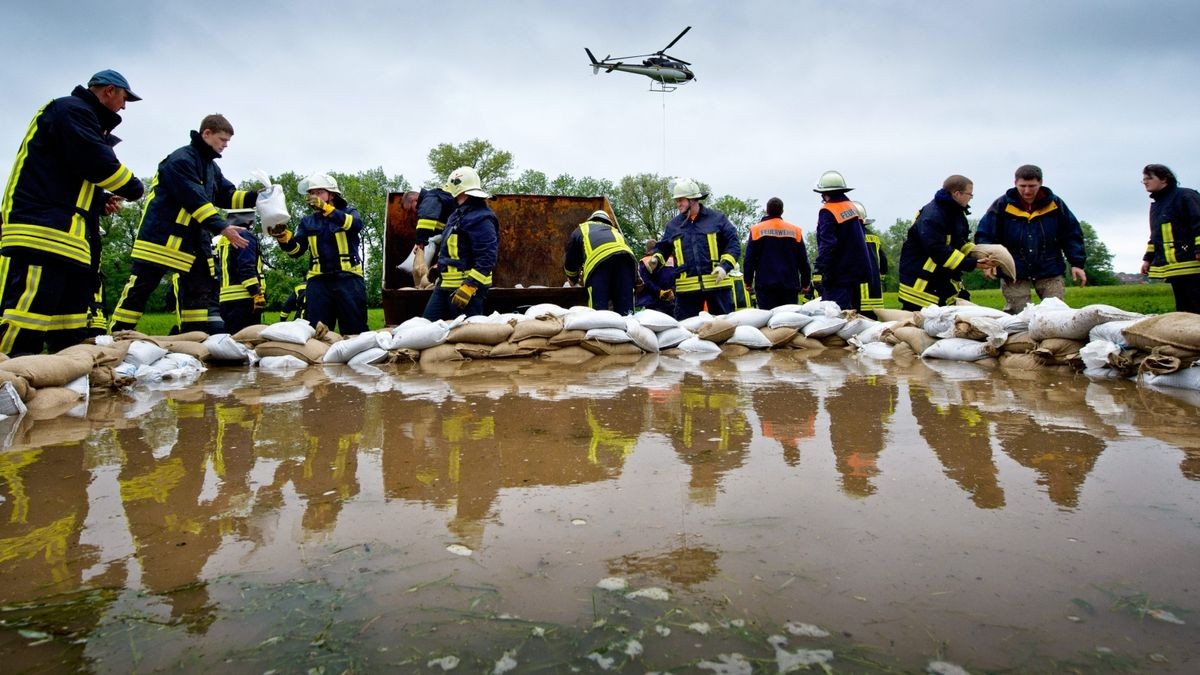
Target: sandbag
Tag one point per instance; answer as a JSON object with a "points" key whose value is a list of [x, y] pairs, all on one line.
{"points": [[573, 355], [1020, 362], [19, 384], [822, 326], [544, 310], [902, 350], [298, 331], [958, 349], [899, 315], [250, 335], [420, 336], [106, 355], [480, 333], [854, 325], [568, 338], [1019, 343], [819, 307], [1159, 364], [655, 320], [223, 347], [780, 337], [795, 320], [697, 345], [312, 351], [473, 351], [1073, 324], [749, 336], [1188, 378], [802, 341], [1176, 329], [440, 353], [672, 337], [369, 356], [345, 350], [610, 335], [716, 331], [642, 336], [1111, 331], [144, 353], [538, 344], [50, 402], [876, 350], [193, 349], [546, 328], [11, 404], [105, 377], [914, 337], [750, 316], [1058, 351], [600, 318], [695, 323], [282, 363], [508, 350], [190, 336], [610, 349], [834, 342], [49, 370], [997, 254], [730, 350], [271, 206]]}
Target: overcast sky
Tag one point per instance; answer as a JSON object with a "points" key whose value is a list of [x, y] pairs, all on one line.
{"points": [[896, 95]]}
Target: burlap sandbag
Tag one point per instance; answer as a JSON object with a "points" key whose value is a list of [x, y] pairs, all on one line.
{"points": [[619, 349], [20, 384], [997, 254], [1057, 351], [572, 354], [893, 315], [780, 337], [50, 402], [480, 333], [251, 335], [104, 377], [132, 335], [194, 349], [834, 342], [1019, 343], [901, 350], [1127, 362], [190, 336], [804, 342], [473, 351], [310, 352], [106, 356], [717, 330], [546, 328], [512, 350], [50, 370], [730, 350], [404, 356], [914, 337], [567, 338], [1020, 361], [1157, 363], [440, 353], [1175, 329], [328, 337], [541, 344]]}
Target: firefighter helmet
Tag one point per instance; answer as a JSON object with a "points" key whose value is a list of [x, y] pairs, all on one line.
{"points": [[831, 181], [465, 179]]}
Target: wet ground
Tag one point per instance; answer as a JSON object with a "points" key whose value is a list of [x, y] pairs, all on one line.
{"points": [[760, 512]]}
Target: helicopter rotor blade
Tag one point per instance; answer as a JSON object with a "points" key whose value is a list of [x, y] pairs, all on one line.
{"points": [[631, 56], [672, 42]]}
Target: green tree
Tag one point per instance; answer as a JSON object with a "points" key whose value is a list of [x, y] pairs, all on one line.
{"points": [[493, 164], [643, 205], [1099, 265], [743, 213]]}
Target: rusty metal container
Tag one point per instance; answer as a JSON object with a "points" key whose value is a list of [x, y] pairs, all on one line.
{"points": [[533, 236]]}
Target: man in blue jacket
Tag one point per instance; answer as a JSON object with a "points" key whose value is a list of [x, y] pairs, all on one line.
{"points": [[706, 249], [776, 262], [1038, 229], [848, 272], [937, 250], [467, 257], [239, 275], [65, 177]]}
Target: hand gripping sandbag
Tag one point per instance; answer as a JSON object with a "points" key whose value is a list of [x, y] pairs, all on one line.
{"points": [[271, 205]]}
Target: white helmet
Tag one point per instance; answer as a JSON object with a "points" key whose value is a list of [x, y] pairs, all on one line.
{"points": [[319, 181], [831, 181], [862, 213], [686, 188], [602, 216], [465, 179]]}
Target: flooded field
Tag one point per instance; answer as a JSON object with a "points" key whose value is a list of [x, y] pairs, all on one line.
{"points": [[752, 514]]}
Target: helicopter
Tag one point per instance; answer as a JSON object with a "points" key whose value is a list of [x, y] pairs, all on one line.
{"points": [[662, 68]]}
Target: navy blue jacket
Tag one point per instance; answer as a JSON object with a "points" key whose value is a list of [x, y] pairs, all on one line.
{"points": [[181, 213], [1037, 238], [1174, 233], [842, 255], [935, 252], [469, 250], [434, 207], [65, 156], [239, 270], [776, 256], [698, 247], [332, 241]]}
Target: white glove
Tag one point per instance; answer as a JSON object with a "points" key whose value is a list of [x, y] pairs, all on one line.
{"points": [[721, 274]]}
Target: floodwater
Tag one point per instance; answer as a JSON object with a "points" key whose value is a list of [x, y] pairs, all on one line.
{"points": [[750, 513]]}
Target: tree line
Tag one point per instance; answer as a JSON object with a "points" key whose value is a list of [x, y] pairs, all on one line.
{"points": [[641, 202]]}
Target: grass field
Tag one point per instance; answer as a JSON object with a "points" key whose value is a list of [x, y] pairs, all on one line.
{"points": [[1142, 298]]}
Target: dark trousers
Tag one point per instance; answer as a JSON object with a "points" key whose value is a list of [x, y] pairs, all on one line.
{"points": [[611, 281], [440, 307], [194, 302], [770, 298], [237, 314], [43, 305], [1187, 293], [719, 300], [337, 299], [847, 297]]}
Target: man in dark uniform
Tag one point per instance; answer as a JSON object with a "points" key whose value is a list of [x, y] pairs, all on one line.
{"points": [[598, 256], [706, 249], [470, 244], [65, 175], [239, 272], [776, 263], [936, 251], [848, 273]]}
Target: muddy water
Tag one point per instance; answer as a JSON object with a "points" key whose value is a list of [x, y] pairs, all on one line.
{"points": [[413, 520]]}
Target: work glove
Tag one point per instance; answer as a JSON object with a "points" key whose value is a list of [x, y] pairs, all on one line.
{"points": [[666, 295], [462, 296], [721, 274], [260, 302], [319, 205]]}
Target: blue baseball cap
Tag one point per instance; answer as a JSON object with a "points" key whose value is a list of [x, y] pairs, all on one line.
{"points": [[106, 77]]}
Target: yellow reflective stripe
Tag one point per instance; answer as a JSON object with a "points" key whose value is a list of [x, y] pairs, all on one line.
{"points": [[1175, 269], [1030, 215], [190, 315], [967, 248], [686, 283], [239, 199], [929, 265], [252, 281], [480, 277], [729, 259], [452, 246], [917, 296], [47, 239], [183, 217], [67, 321], [430, 225], [600, 254], [955, 258], [229, 293], [167, 256], [1168, 239], [1150, 247], [14, 175], [120, 177], [204, 212], [343, 247], [453, 277], [712, 247], [679, 260], [347, 222]]}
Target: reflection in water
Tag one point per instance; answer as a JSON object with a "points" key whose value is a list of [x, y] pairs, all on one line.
{"points": [[859, 412], [712, 433], [787, 415], [958, 435]]}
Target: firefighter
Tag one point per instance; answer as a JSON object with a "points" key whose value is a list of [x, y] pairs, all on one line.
{"points": [[706, 249], [848, 273], [873, 300], [294, 302], [239, 270], [336, 294], [179, 218], [776, 262], [65, 176], [1173, 252], [469, 249], [433, 206], [598, 257], [936, 251], [656, 288]]}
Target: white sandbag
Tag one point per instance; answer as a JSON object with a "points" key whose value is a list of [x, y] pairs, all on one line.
{"points": [[173, 366], [410, 323], [855, 326], [222, 347], [342, 352], [873, 333], [368, 356], [789, 320], [697, 346], [749, 336], [695, 323], [598, 318], [428, 252], [82, 386], [749, 317], [939, 321], [271, 206], [876, 350], [642, 336], [671, 337], [1186, 378], [1095, 353], [823, 326], [281, 363], [297, 331], [612, 336], [788, 308], [142, 353], [655, 320], [10, 402], [957, 349], [1111, 331], [418, 335], [819, 307], [1074, 324], [545, 309], [993, 333]]}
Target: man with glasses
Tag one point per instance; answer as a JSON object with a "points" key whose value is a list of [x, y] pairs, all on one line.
{"points": [[936, 251]]}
